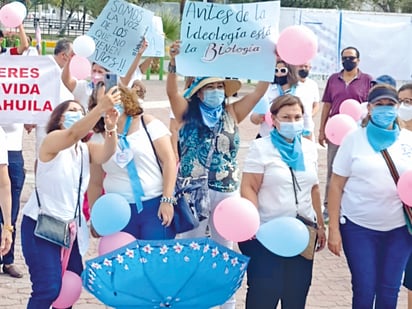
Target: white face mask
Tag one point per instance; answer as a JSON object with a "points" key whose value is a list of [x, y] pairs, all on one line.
{"points": [[405, 112]]}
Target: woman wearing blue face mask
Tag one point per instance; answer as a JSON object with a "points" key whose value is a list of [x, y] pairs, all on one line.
{"points": [[366, 214], [209, 128], [63, 160], [278, 167]]}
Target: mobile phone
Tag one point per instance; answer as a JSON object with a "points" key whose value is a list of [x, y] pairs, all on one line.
{"points": [[110, 80]]}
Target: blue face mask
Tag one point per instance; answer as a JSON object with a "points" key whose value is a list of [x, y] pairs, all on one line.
{"points": [[119, 108], [290, 130], [213, 98], [384, 116], [70, 117]]}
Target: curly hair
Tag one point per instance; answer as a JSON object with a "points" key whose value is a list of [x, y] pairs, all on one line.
{"points": [[130, 101]]}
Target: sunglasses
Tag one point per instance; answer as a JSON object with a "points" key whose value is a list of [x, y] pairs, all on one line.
{"points": [[351, 58], [281, 70]]}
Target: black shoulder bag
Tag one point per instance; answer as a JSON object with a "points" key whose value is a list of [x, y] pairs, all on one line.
{"points": [[54, 229]]}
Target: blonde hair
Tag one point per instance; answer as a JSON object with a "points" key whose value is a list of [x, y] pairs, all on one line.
{"points": [[130, 101]]}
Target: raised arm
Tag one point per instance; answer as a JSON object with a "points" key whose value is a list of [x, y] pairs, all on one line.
{"points": [[178, 103], [242, 107], [58, 140], [67, 78], [24, 44], [133, 67]]}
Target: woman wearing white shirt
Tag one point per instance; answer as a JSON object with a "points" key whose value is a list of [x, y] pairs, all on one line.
{"points": [[274, 166], [62, 160], [365, 211]]}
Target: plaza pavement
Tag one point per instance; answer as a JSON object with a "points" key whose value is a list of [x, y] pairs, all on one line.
{"points": [[330, 287]]}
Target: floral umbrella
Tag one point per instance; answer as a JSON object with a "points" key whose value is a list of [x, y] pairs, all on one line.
{"points": [[175, 273]]}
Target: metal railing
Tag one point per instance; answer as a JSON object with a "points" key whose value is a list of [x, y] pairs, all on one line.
{"points": [[53, 27]]}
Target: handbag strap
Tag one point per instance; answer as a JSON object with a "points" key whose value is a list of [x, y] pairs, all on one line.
{"points": [[151, 143], [209, 155], [395, 176], [77, 210]]}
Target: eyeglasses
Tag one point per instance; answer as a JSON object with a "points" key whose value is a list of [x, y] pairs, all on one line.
{"points": [[407, 101], [281, 70], [351, 58]]}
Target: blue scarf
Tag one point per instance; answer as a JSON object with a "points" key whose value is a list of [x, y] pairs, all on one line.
{"points": [[210, 116], [380, 138], [291, 153]]}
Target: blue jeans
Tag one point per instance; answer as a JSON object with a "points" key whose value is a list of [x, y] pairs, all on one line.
{"points": [[17, 176], [271, 278], [376, 261], [43, 260], [147, 225]]}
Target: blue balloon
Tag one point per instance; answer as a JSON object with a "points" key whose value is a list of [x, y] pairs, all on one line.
{"points": [[284, 236], [110, 214]]}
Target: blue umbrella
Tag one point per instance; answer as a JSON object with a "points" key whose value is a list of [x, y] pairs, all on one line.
{"points": [[174, 273]]}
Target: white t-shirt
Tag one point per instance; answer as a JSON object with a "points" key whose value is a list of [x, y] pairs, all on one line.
{"points": [[370, 197], [276, 195], [308, 92], [3, 150], [117, 179], [82, 92], [14, 136], [136, 75], [57, 183], [31, 51]]}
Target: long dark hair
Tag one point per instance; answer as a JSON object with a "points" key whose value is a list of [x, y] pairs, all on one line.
{"points": [[99, 126], [56, 115]]}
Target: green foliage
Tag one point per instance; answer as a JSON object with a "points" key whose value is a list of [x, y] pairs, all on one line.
{"points": [[171, 26]]}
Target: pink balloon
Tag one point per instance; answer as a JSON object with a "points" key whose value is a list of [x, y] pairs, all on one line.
{"points": [[297, 45], [338, 126], [352, 108], [405, 187], [114, 241], [12, 14], [80, 67], [268, 119], [70, 290], [236, 219]]}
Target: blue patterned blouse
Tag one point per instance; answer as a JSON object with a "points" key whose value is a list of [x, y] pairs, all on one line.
{"points": [[195, 141]]}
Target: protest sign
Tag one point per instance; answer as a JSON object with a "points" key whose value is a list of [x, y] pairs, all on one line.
{"points": [[29, 89], [155, 39], [236, 40], [118, 32]]}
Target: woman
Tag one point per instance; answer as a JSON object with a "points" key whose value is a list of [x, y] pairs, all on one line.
{"points": [[366, 215], [285, 82], [200, 112], [5, 198], [150, 190], [405, 114], [277, 167], [62, 159]]}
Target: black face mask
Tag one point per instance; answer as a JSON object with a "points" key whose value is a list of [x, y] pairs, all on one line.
{"points": [[303, 73], [348, 65], [280, 80]]}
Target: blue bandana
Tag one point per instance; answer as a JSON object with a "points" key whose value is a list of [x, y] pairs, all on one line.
{"points": [[380, 138], [210, 115], [291, 153]]}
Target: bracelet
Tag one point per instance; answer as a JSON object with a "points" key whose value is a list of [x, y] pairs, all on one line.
{"points": [[171, 68], [168, 200], [9, 228], [114, 129]]}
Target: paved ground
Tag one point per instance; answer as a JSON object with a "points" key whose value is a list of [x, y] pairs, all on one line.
{"points": [[331, 280]]}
